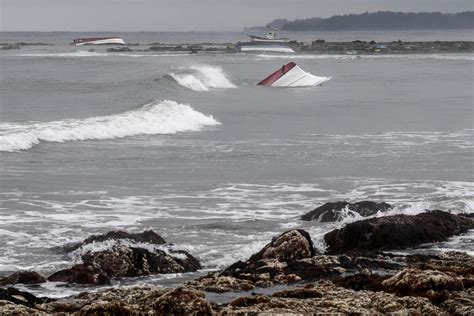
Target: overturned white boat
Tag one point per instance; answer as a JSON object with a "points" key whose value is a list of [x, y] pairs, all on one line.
{"points": [[290, 75], [99, 41]]}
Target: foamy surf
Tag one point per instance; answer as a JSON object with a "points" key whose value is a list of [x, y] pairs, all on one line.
{"points": [[202, 78], [157, 117]]}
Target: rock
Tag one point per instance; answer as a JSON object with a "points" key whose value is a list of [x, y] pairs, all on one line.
{"points": [[119, 49], [288, 258], [336, 211], [326, 298], [291, 245], [122, 260], [23, 298], [10, 46], [396, 232], [81, 274], [24, 277], [432, 284], [183, 301], [107, 308], [147, 236], [460, 303], [124, 256], [358, 282], [126, 261]]}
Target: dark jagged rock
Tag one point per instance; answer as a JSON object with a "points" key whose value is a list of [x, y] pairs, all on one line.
{"points": [[123, 260], [325, 298], [396, 232], [359, 282], [183, 301], [291, 245], [432, 284], [301, 293], [23, 277], [21, 297], [10, 46], [125, 257], [147, 236], [119, 49], [81, 274], [288, 258], [331, 212]]}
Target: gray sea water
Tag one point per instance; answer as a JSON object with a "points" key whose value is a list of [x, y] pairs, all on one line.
{"points": [[189, 146]]}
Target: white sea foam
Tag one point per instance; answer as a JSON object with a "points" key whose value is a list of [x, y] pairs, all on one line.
{"points": [[202, 78], [158, 117], [95, 247]]}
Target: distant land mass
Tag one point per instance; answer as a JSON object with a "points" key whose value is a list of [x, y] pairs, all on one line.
{"points": [[381, 20]]}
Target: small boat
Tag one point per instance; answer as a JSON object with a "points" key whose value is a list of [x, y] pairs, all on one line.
{"points": [[291, 75], [271, 43], [99, 41]]}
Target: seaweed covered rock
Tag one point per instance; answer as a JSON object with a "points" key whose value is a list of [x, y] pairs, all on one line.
{"points": [[291, 245], [23, 277], [183, 301], [288, 258], [148, 236], [81, 274], [432, 284], [21, 298], [396, 232], [120, 254], [336, 211], [326, 298]]}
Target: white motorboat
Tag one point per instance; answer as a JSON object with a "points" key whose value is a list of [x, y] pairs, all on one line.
{"points": [[271, 43], [99, 41]]}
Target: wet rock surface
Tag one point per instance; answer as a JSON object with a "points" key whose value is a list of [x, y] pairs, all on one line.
{"points": [[336, 211], [288, 258], [356, 282], [119, 49], [127, 255], [23, 277], [396, 232], [147, 236]]}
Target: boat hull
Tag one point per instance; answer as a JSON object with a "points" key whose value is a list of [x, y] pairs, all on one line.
{"points": [[290, 75], [99, 41]]}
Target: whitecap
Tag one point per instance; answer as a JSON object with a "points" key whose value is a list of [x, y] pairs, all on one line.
{"points": [[202, 78], [158, 117]]}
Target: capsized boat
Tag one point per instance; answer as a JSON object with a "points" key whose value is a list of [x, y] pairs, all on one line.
{"points": [[99, 41], [291, 75]]}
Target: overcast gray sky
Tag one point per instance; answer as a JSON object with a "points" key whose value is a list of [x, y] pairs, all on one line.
{"points": [[190, 15]]}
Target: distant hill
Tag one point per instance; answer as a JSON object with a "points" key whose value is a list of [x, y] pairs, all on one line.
{"points": [[382, 20]]}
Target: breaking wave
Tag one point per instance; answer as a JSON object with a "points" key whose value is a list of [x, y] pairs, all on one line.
{"points": [[157, 117], [202, 78]]}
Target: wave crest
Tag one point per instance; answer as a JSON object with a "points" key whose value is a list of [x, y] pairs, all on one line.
{"points": [[157, 117], [202, 78]]}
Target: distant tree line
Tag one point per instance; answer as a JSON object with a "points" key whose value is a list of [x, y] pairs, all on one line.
{"points": [[382, 20]]}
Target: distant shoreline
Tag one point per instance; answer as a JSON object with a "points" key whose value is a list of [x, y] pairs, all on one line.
{"points": [[381, 20]]}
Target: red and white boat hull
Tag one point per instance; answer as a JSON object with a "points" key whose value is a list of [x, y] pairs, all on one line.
{"points": [[290, 75]]}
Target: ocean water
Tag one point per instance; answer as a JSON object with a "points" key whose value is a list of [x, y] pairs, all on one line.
{"points": [[189, 146]]}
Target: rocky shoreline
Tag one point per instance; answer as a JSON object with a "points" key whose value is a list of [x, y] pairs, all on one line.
{"points": [[357, 274], [356, 47]]}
